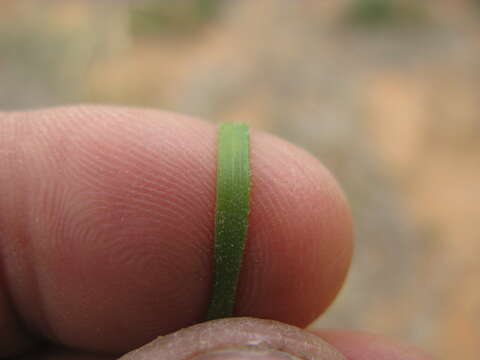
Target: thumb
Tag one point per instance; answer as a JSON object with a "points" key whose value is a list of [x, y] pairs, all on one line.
{"points": [[256, 339], [237, 339]]}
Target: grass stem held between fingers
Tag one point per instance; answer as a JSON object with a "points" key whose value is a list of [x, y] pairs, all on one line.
{"points": [[231, 215]]}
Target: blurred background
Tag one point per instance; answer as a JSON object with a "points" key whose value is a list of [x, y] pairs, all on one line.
{"points": [[385, 92]]}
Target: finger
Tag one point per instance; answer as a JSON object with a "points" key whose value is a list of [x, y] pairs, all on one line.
{"points": [[360, 346], [107, 216], [237, 339]]}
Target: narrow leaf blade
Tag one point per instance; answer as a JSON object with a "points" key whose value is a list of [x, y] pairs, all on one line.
{"points": [[231, 217]]}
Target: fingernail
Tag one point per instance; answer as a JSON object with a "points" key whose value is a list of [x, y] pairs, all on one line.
{"points": [[245, 354]]}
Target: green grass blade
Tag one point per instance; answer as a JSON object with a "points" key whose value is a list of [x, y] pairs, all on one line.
{"points": [[231, 217]]}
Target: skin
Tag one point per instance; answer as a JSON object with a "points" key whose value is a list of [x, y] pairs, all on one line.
{"points": [[106, 235]]}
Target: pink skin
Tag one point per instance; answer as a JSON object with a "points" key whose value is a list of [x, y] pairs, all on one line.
{"points": [[247, 336], [106, 223]]}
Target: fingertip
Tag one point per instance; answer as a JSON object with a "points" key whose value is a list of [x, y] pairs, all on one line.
{"points": [[300, 236], [237, 338], [108, 226]]}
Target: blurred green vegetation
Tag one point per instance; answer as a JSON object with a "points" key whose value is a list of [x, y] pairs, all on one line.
{"points": [[382, 13], [166, 17]]}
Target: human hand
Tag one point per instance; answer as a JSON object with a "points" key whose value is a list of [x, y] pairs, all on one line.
{"points": [[106, 234]]}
